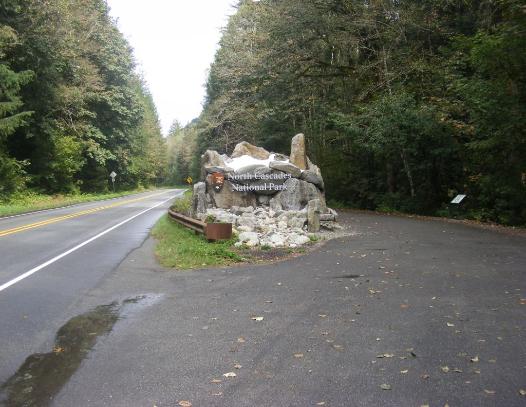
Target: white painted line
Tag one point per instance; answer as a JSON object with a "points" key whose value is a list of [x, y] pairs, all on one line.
{"points": [[55, 259]]}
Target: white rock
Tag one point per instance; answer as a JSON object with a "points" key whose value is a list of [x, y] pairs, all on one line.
{"points": [[298, 239], [245, 229], [249, 238], [277, 240], [297, 222]]}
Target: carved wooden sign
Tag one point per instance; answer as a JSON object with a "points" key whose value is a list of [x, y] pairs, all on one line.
{"points": [[218, 180]]}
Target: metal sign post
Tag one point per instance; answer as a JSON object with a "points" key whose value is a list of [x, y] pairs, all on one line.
{"points": [[112, 176]]}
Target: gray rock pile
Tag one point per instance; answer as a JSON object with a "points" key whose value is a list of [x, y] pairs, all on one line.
{"points": [[262, 226], [270, 199]]}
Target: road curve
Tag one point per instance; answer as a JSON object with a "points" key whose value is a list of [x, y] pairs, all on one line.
{"points": [[50, 259]]}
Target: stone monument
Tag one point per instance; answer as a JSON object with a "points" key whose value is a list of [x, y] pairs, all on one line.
{"points": [[270, 199]]}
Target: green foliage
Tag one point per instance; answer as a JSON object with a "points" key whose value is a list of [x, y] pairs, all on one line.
{"points": [[181, 248], [85, 111], [403, 102], [184, 204]]}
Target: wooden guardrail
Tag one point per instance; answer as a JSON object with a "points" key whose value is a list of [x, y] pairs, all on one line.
{"points": [[212, 231]]}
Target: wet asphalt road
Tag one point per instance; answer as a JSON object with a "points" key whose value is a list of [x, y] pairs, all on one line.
{"points": [[434, 312], [33, 309]]}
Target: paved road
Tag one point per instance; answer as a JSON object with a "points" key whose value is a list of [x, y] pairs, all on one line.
{"points": [[34, 307], [433, 311]]}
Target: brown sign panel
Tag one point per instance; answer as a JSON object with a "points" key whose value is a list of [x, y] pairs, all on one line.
{"points": [[218, 180]]}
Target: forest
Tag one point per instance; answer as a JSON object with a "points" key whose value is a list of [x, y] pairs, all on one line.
{"points": [[72, 107], [405, 103]]}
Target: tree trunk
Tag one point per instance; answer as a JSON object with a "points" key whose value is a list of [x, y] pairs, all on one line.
{"points": [[408, 172], [390, 178]]}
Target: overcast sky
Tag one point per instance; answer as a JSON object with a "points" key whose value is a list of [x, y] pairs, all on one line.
{"points": [[174, 44]]}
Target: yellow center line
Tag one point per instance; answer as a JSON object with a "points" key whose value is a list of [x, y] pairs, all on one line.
{"points": [[73, 215]]}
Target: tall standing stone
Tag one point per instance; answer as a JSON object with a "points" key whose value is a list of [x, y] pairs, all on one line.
{"points": [[199, 199], [313, 215], [298, 153]]}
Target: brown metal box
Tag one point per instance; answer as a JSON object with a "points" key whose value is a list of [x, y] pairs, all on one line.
{"points": [[218, 231]]}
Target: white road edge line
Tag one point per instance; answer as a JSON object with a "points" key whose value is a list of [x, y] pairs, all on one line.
{"points": [[54, 259]]}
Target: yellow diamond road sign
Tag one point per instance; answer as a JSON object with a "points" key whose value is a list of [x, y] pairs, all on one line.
{"points": [[189, 180]]}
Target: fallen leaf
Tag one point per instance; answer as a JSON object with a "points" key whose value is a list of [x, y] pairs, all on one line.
{"points": [[58, 349], [321, 403], [298, 355], [230, 374], [185, 403], [217, 394], [492, 361], [445, 369], [241, 340], [238, 366], [522, 392], [338, 347], [385, 355], [322, 315], [450, 324], [215, 381], [457, 370], [404, 306], [257, 319], [425, 376], [475, 359], [489, 391], [404, 371], [522, 301], [424, 405], [385, 386]]}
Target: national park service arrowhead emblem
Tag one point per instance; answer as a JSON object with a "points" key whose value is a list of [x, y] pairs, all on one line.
{"points": [[218, 180]]}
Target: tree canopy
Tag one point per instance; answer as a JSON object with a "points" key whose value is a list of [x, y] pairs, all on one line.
{"points": [[405, 103], [72, 107]]}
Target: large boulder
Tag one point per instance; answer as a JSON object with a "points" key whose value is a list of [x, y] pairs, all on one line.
{"points": [[226, 198], [211, 159], [261, 179], [313, 167], [213, 168], [245, 148], [298, 154], [313, 178], [296, 197], [286, 167]]}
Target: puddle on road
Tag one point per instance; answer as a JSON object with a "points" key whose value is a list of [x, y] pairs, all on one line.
{"points": [[42, 375]]}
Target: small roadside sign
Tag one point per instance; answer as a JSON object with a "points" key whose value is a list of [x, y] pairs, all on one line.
{"points": [[113, 174], [459, 198], [189, 180]]}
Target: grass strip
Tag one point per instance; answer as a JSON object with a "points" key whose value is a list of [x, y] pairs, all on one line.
{"points": [[179, 247], [31, 202]]}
